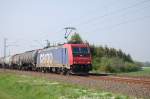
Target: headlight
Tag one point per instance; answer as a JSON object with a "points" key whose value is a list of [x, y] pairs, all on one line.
{"points": [[88, 62]]}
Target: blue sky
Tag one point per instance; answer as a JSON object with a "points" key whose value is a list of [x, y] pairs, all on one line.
{"points": [[122, 24]]}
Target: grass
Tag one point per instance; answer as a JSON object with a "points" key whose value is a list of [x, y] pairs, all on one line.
{"points": [[145, 72], [14, 86]]}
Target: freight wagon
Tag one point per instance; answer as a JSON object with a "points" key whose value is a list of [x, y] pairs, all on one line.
{"points": [[1, 62]]}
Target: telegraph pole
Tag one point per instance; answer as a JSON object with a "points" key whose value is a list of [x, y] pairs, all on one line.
{"points": [[5, 42], [6, 45]]}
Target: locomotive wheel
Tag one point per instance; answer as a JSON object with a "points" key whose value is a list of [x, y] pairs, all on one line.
{"points": [[65, 71], [58, 70], [62, 71], [53, 69], [68, 72], [43, 70]]}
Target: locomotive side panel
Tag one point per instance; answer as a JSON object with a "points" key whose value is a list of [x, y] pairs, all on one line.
{"points": [[53, 57]]}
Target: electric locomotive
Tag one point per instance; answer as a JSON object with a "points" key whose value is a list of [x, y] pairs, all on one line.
{"points": [[73, 58]]}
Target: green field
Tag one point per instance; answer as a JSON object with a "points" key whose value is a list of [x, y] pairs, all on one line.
{"points": [[26, 87], [144, 72]]}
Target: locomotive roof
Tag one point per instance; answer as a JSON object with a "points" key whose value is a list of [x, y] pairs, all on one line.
{"points": [[52, 47]]}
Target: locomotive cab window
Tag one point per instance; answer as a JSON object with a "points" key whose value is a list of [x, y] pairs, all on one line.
{"points": [[80, 51]]}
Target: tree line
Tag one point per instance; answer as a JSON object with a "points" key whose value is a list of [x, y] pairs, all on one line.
{"points": [[100, 51]]}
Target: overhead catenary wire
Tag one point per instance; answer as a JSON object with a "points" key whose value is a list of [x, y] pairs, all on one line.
{"points": [[121, 23], [121, 16], [111, 13]]}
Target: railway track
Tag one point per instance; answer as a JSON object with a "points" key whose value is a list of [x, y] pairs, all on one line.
{"points": [[128, 80], [104, 77]]}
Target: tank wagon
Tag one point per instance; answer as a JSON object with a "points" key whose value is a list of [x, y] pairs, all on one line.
{"points": [[7, 61], [28, 60], [15, 61], [1, 62], [66, 58]]}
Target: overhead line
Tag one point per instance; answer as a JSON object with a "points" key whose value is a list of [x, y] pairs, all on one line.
{"points": [[114, 12], [124, 22], [125, 14]]}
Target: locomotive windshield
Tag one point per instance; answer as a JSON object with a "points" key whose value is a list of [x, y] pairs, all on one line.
{"points": [[80, 51]]}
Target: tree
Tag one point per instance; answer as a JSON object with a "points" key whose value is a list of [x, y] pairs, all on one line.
{"points": [[75, 39]]}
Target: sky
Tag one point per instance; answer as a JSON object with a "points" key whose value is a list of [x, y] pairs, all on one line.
{"points": [[121, 24]]}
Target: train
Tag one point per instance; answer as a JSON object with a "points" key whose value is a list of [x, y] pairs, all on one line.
{"points": [[63, 59]]}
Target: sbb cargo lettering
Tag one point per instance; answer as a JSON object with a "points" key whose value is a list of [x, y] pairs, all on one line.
{"points": [[46, 58]]}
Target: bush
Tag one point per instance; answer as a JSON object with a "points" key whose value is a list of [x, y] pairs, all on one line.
{"points": [[96, 63], [114, 65], [129, 67]]}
